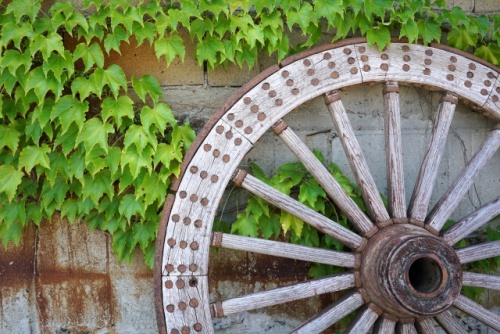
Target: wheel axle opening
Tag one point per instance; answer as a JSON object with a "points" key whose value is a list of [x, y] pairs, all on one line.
{"points": [[425, 275]]}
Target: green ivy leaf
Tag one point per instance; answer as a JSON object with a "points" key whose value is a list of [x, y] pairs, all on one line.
{"points": [[90, 54], [16, 33], [113, 77], [69, 209], [302, 16], [312, 195], [378, 7], [245, 225], [328, 9], [147, 84], [381, 36], [59, 64], [490, 53], [10, 179], [98, 186], [32, 156], [42, 84], [10, 232], [429, 30], [47, 45], [123, 245], [144, 233], [456, 16], [129, 207], [94, 132], [24, 7], [69, 110], [113, 41], [290, 222], [68, 139], [117, 109], [147, 32], [9, 137], [270, 227], [52, 196], [138, 136], [207, 50], [136, 160], [160, 116], [182, 134], [462, 37], [166, 154], [152, 189], [84, 87], [13, 59], [409, 30]]}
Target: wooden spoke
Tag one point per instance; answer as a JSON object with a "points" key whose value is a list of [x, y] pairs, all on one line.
{"points": [[450, 200], [472, 222], [477, 311], [355, 157], [481, 280], [450, 324], [384, 325], [297, 209], [325, 179], [284, 294], [393, 152], [428, 170], [283, 249], [364, 320], [405, 328], [425, 326], [479, 252], [329, 316]]}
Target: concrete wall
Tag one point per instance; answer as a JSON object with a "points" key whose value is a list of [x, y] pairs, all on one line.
{"points": [[63, 278]]}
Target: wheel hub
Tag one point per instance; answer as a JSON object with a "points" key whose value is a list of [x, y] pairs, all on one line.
{"points": [[408, 272]]}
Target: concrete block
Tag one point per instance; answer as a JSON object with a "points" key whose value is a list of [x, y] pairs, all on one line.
{"points": [[137, 61], [466, 5], [233, 75], [486, 6], [65, 247], [17, 306], [74, 302]]}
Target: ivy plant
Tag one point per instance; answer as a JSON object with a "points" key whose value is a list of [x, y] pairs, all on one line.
{"points": [[261, 219], [73, 141]]}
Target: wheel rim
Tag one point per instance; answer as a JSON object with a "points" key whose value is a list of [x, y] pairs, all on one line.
{"points": [[184, 237]]}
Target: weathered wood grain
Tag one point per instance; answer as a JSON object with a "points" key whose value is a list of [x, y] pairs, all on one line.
{"points": [[405, 328], [425, 326], [363, 321], [450, 324], [186, 304], [287, 293], [479, 252], [384, 325], [477, 311], [326, 180], [428, 170], [332, 314], [481, 280], [450, 200], [393, 151], [472, 222], [287, 250], [301, 211], [355, 157]]}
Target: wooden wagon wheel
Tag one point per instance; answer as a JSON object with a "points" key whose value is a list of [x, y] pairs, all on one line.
{"points": [[387, 245]]}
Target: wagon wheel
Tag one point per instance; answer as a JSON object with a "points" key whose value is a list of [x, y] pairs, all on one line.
{"points": [[401, 270]]}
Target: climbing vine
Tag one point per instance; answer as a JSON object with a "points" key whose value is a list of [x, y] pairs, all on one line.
{"points": [[73, 141]]}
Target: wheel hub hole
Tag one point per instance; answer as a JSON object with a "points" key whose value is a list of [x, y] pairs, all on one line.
{"points": [[425, 275]]}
